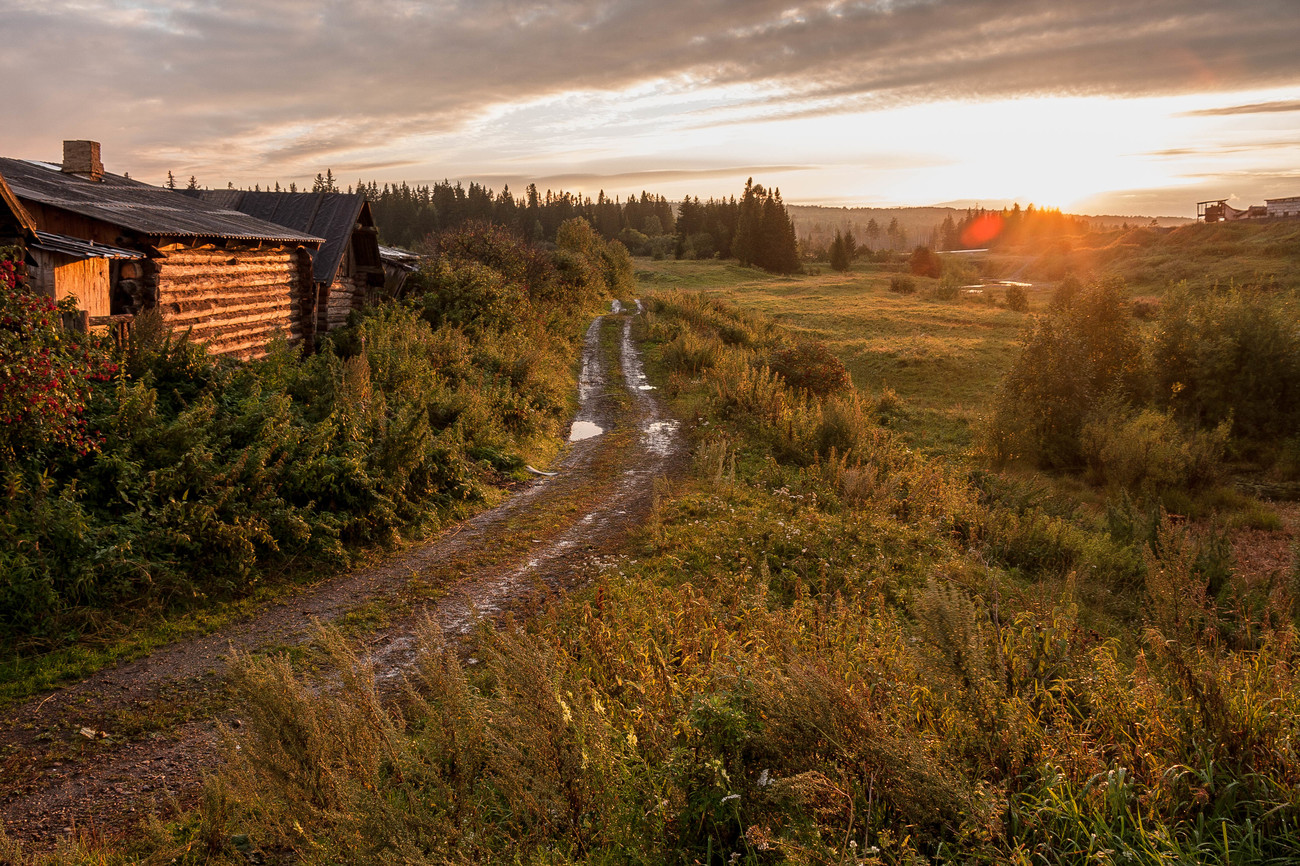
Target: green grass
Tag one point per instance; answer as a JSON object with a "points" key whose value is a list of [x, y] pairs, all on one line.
{"points": [[943, 360]]}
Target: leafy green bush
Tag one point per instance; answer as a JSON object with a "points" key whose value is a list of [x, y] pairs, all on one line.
{"points": [[1229, 354], [1072, 358], [1147, 451], [1017, 299]]}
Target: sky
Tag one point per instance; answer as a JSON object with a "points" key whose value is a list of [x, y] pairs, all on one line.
{"points": [[1134, 107]]}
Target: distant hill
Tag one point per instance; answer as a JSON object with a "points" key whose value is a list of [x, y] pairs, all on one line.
{"points": [[816, 225], [1263, 254]]}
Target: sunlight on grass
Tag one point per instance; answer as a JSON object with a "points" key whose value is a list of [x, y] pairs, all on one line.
{"points": [[943, 360]]}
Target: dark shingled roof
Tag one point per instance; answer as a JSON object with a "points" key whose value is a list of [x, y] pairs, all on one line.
{"points": [[149, 210], [331, 215]]}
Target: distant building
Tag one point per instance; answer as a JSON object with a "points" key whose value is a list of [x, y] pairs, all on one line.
{"points": [[1283, 207], [1273, 208], [121, 247]]}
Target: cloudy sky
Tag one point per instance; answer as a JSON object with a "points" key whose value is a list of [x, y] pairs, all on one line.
{"points": [[1136, 107]]}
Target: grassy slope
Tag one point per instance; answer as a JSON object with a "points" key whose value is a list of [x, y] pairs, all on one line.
{"points": [[943, 360], [1151, 260]]}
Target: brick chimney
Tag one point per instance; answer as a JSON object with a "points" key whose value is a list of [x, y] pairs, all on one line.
{"points": [[82, 159]]}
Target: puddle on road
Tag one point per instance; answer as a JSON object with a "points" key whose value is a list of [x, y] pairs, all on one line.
{"points": [[584, 430], [659, 437]]}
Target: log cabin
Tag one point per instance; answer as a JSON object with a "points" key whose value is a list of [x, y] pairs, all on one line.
{"points": [[347, 269], [121, 247]]}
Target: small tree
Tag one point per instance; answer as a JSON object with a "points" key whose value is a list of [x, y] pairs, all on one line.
{"points": [[1017, 299], [843, 250], [925, 263], [838, 257]]}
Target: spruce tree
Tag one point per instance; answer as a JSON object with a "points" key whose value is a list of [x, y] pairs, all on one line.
{"points": [[745, 244], [837, 258]]}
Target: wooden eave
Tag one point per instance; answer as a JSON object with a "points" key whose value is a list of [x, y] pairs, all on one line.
{"points": [[16, 207]]}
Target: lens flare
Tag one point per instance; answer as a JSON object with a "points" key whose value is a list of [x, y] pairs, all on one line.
{"points": [[982, 230]]}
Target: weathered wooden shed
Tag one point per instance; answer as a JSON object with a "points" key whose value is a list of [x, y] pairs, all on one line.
{"points": [[347, 268], [233, 281]]}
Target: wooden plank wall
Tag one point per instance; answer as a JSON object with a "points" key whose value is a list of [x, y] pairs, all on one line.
{"points": [[88, 281], [237, 301], [58, 276]]}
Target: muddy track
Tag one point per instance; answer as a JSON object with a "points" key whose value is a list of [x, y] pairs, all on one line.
{"points": [[93, 758]]}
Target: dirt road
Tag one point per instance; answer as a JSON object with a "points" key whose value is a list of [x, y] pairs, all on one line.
{"points": [[95, 757]]}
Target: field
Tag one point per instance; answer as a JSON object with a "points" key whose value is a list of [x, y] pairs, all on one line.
{"points": [[943, 361]]}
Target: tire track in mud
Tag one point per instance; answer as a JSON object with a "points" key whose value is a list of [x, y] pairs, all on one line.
{"points": [[56, 781]]}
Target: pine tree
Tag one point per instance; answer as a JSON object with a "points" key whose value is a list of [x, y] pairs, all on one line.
{"points": [[837, 258], [171, 180], [193, 184], [745, 243], [949, 237], [873, 230], [843, 250]]}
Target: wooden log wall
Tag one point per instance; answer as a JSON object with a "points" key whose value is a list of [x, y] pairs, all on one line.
{"points": [[345, 296], [346, 293], [236, 301]]}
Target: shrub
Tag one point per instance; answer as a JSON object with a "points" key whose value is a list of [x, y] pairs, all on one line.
{"points": [[810, 366], [1147, 451], [947, 290], [46, 372], [1071, 360], [1017, 299], [925, 263], [902, 285], [470, 295], [1231, 354]]}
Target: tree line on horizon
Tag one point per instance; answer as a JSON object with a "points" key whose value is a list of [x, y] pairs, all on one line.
{"points": [[757, 229]]}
